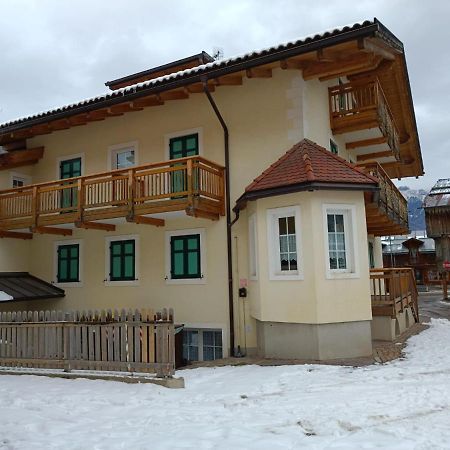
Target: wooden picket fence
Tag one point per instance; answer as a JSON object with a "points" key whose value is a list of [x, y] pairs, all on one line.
{"points": [[132, 341]]}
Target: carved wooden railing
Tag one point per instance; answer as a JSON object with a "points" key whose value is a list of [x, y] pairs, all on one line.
{"points": [[350, 100], [150, 187], [394, 289], [390, 199]]}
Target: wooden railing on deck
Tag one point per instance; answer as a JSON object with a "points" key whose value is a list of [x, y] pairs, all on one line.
{"points": [[390, 198], [392, 290], [145, 189], [349, 101]]}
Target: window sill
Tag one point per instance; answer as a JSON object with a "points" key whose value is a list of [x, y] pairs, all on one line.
{"points": [[286, 277], [72, 284], [121, 283], [330, 275], [186, 281]]}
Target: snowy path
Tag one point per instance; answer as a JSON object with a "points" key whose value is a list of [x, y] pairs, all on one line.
{"points": [[402, 405]]}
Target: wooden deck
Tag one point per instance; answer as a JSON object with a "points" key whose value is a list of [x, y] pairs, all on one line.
{"points": [[386, 210], [393, 290], [193, 185]]}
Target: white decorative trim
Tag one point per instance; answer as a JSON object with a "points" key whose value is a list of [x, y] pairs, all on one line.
{"points": [[350, 231], [169, 136], [202, 233], [56, 244], [67, 157], [108, 240], [20, 176], [253, 247], [114, 149], [275, 272]]}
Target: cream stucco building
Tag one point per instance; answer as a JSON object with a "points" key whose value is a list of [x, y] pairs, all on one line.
{"points": [[280, 270]]}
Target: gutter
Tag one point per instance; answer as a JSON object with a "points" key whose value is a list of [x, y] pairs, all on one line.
{"points": [[228, 211]]}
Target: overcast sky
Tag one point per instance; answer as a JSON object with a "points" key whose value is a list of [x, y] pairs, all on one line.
{"points": [[60, 51]]}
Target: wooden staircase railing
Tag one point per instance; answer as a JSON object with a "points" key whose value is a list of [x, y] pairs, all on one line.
{"points": [[392, 290]]}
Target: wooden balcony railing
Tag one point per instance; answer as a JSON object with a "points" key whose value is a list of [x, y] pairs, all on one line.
{"points": [[393, 289], [193, 184], [388, 202], [355, 106]]}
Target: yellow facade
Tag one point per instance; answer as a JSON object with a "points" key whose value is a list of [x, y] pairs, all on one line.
{"points": [[265, 117]]}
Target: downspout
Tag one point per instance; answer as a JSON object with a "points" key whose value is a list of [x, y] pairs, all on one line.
{"points": [[228, 213]]}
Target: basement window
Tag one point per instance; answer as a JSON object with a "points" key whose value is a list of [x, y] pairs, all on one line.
{"points": [[202, 345]]}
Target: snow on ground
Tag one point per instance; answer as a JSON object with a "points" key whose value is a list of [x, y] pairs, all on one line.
{"points": [[401, 405]]}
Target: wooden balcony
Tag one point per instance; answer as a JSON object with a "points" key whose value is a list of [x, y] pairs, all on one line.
{"points": [[393, 290], [387, 209], [360, 112], [193, 185]]}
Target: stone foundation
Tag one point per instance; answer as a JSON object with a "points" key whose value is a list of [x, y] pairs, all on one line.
{"points": [[387, 328], [314, 341]]}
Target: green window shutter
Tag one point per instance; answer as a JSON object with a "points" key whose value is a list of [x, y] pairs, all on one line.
{"points": [[183, 146], [185, 256], [122, 260], [68, 263]]}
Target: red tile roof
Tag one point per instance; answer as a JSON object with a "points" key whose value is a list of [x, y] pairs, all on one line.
{"points": [[307, 163]]}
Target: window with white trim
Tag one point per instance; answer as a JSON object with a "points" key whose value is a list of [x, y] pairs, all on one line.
{"points": [[284, 243], [122, 260], [18, 180], [340, 240], [68, 263], [202, 345], [185, 256], [252, 248], [123, 156]]}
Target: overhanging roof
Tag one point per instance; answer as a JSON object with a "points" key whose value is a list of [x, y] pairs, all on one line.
{"points": [[213, 69], [23, 286]]}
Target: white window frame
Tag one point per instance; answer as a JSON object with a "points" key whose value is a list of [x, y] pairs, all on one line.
{"points": [[169, 136], [67, 157], [108, 240], [275, 272], [351, 247], [207, 327], [20, 176], [202, 233], [252, 247], [56, 244], [113, 150]]}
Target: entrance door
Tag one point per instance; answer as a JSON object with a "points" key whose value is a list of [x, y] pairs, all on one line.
{"points": [[69, 168], [182, 147]]}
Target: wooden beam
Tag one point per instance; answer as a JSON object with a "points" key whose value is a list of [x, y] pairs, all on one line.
{"points": [[259, 72], [229, 80], [146, 220], [375, 155], [197, 88], [366, 142], [340, 67], [174, 95], [152, 100], [95, 226], [370, 46], [196, 212], [19, 158], [287, 64], [15, 235], [52, 230], [16, 145]]}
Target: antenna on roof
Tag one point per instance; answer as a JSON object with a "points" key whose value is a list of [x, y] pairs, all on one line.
{"points": [[217, 53]]}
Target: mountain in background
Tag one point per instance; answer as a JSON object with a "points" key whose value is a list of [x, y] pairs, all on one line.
{"points": [[416, 213]]}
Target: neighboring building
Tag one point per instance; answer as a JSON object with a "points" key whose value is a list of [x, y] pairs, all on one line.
{"points": [[416, 251], [437, 218], [246, 193]]}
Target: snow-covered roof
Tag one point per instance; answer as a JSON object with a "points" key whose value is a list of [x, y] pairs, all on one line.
{"points": [[215, 68]]}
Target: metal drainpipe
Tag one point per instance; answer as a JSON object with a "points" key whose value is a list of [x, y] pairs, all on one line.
{"points": [[228, 213]]}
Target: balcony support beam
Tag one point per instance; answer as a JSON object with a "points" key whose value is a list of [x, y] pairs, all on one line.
{"points": [[146, 220], [15, 235], [375, 155], [52, 230], [95, 226]]}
